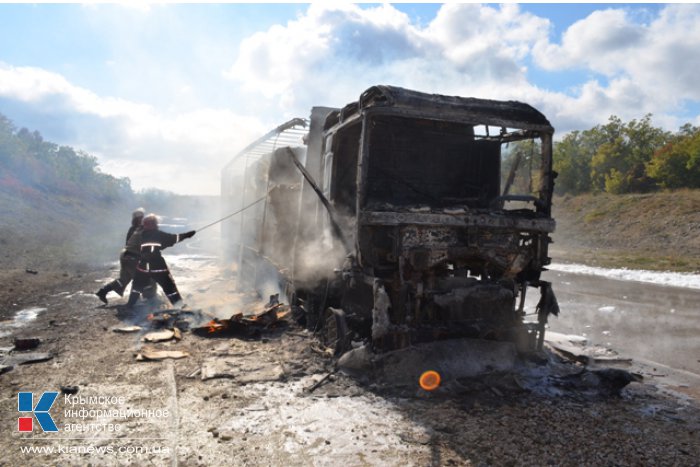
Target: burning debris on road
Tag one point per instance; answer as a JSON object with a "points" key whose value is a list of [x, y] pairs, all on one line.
{"points": [[249, 323]]}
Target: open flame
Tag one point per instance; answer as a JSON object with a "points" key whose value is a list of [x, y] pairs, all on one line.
{"points": [[215, 326], [245, 324]]}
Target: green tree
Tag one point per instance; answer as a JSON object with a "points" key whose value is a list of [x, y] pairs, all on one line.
{"points": [[572, 161], [619, 164], [688, 130], [525, 175], [8, 145], [677, 164], [27, 162]]}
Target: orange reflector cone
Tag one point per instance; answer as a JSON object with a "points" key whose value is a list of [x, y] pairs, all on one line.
{"points": [[430, 380]]}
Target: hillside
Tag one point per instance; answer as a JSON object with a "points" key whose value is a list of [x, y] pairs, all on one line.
{"points": [[46, 231], [643, 231]]}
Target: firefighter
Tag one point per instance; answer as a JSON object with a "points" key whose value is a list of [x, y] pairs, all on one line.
{"points": [[152, 265], [128, 259]]}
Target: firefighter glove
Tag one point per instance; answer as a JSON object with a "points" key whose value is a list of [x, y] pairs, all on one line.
{"points": [[188, 234]]}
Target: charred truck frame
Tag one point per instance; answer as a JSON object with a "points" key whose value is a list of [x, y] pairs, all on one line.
{"points": [[401, 218]]}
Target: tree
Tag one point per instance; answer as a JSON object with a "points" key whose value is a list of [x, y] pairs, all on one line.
{"points": [[677, 164], [572, 161], [525, 176], [29, 163], [8, 152], [688, 130], [619, 164]]}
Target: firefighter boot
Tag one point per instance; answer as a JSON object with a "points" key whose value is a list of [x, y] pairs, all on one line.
{"points": [[150, 291], [115, 286], [133, 298], [102, 294]]}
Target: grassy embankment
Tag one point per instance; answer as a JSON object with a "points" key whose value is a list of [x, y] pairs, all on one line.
{"points": [[47, 231], [657, 231]]}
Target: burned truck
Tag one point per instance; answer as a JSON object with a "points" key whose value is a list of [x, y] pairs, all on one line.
{"points": [[401, 218]]}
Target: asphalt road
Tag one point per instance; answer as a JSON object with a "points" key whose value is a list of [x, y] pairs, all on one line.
{"points": [[646, 322]]}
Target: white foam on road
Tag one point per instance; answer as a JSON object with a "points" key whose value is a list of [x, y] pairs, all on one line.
{"points": [[21, 318], [674, 279]]}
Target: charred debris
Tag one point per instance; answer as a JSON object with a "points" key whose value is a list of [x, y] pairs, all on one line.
{"points": [[401, 219]]}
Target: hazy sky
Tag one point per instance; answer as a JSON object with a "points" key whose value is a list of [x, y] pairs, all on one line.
{"points": [[166, 94]]}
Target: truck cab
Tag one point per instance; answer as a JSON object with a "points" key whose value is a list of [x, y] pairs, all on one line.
{"points": [[447, 205]]}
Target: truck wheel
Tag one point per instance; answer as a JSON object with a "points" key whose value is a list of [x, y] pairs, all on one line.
{"points": [[335, 333]]}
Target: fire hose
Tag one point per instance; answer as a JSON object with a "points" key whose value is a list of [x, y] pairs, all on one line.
{"points": [[324, 201], [232, 214]]}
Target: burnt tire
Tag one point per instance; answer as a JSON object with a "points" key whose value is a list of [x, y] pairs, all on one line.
{"points": [[335, 334]]}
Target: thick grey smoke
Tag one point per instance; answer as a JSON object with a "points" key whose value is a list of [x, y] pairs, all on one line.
{"points": [[283, 233]]}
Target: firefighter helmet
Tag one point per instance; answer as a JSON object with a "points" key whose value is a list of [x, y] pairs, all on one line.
{"points": [[150, 222], [139, 212]]}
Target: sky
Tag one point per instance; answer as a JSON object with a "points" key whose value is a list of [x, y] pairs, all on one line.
{"points": [[166, 94]]}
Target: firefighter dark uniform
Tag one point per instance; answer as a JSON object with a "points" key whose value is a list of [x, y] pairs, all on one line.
{"points": [[152, 265], [128, 259]]}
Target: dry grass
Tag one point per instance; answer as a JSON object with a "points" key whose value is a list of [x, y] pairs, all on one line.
{"points": [[50, 231], [647, 231]]}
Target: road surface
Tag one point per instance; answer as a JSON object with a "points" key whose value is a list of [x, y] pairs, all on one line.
{"points": [[247, 400], [645, 321]]}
